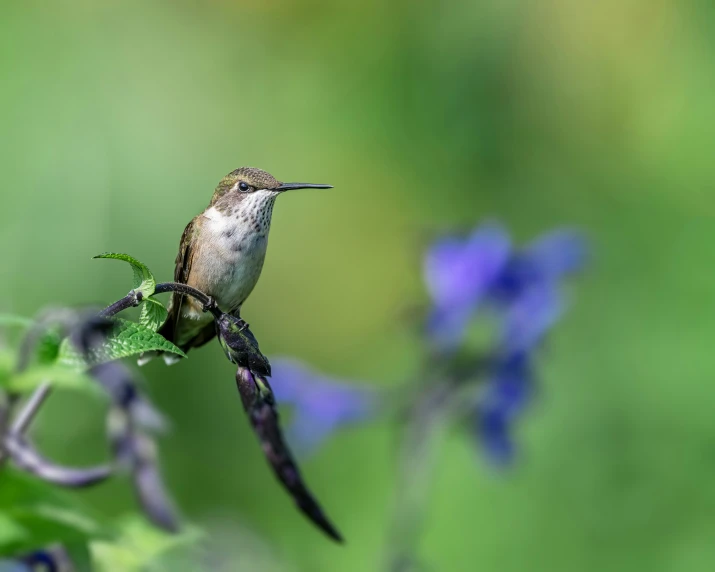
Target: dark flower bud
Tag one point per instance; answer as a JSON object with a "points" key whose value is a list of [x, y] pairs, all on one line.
{"points": [[246, 385], [240, 345]]}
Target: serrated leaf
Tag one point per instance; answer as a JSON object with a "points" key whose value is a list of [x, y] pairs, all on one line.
{"points": [[153, 314], [126, 339], [144, 281]]}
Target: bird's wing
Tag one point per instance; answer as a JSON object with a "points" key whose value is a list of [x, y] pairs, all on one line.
{"points": [[183, 259], [181, 275]]}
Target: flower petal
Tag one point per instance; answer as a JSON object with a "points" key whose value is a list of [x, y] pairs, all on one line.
{"points": [[508, 391], [458, 272], [320, 404], [495, 437], [558, 252], [529, 317]]}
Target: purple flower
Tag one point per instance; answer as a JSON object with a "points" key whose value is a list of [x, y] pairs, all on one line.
{"points": [[320, 405], [526, 293], [559, 252], [508, 390], [522, 284], [526, 320], [459, 272]]}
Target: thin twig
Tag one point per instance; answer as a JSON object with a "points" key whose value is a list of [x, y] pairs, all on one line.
{"points": [[424, 432], [25, 417], [426, 428], [134, 298], [209, 304], [131, 300], [28, 459]]}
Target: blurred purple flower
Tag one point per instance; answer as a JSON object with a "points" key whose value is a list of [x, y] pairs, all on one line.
{"points": [[320, 405], [458, 273], [52, 559], [528, 303], [526, 293], [520, 286], [508, 390], [462, 273]]}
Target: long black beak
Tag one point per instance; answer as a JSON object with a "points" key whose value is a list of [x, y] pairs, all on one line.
{"points": [[293, 186]]}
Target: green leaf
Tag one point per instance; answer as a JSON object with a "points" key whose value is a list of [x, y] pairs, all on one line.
{"points": [[144, 281], [11, 532], [61, 376], [7, 366], [80, 556], [46, 514], [140, 547], [153, 314], [48, 346], [13, 321], [127, 339]]}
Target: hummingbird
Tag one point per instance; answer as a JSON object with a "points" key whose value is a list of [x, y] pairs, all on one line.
{"points": [[222, 251]]}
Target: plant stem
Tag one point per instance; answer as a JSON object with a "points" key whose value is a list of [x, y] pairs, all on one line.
{"points": [[25, 417], [423, 435], [134, 298], [208, 302], [131, 300], [426, 426]]}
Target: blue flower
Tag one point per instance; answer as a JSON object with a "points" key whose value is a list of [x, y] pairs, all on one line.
{"points": [[521, 287], [526, 296], [522, 284], [459, 272], [527, 292], [320, 405], [509, 388]]}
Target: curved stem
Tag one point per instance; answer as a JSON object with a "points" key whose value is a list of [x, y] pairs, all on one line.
{"points": [[131, 300], [207, 301], [31, 408], [28, 459], [134, 298]]}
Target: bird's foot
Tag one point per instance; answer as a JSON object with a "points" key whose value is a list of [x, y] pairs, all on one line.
{"points": [[210, 305]]}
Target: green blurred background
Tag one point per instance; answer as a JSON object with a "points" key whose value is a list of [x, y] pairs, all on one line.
{"points": [[117, 119]]}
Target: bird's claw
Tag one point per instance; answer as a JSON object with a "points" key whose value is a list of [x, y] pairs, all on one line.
{"points": [[210, 304]]}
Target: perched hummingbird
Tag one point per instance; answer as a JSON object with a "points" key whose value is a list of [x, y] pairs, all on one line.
{"points": [[222, 252]]}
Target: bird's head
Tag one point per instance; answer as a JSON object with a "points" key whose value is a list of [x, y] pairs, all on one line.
{"points": [[256, 183]]}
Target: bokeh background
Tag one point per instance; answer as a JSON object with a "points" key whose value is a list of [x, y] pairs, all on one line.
{"points": [[118, 119]]}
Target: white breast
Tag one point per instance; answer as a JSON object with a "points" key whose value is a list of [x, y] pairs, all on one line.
{"points": [[238, 240]]}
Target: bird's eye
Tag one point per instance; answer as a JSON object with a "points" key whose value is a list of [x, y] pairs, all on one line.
{"points": [[243, 186]]}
